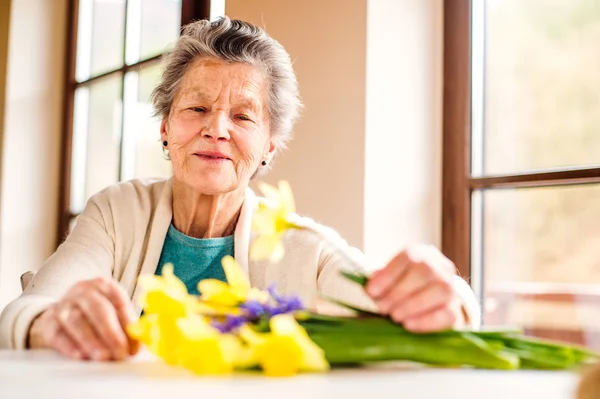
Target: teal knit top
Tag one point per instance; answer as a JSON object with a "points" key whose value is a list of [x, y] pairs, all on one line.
{"points": [[194, 259]]}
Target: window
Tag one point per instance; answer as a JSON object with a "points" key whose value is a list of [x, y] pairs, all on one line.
{"points": [[114, 63], [521, 178]]}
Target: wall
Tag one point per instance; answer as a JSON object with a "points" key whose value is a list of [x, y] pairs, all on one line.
{"points": [[32, 131], [366, 158], [325, 161], [404, 125]]}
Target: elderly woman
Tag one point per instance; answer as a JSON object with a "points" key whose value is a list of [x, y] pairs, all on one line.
{"points": [[228, 100]]}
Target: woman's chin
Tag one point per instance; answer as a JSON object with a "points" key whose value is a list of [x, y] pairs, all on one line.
{"points": [[213, 184]]}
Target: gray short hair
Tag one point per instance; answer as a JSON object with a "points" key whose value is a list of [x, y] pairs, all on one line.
{"points": [[234, 41]]}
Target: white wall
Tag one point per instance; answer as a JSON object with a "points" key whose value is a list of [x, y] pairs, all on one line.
{"points": [[404, 125], [32, 131]]}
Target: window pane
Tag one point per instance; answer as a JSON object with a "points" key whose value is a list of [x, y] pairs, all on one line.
{"points": [[217, 9], [100, 37], [142, 150], [151, 26], [541, 259], [161, 20], [96, 139], [542, 85]]}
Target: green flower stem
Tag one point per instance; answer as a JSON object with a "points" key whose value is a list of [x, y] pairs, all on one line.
{"points": [[532, 359], [373, 339], [450, 350], [360, 279]]}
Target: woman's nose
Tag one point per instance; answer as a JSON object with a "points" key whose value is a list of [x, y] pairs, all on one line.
{"points": [[217, 127]]}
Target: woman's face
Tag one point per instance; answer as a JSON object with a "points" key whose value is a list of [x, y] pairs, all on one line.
{"points": [[218, 128]]}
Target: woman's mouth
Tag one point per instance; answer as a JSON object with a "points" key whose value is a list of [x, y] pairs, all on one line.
{"points": [[212, 156]]}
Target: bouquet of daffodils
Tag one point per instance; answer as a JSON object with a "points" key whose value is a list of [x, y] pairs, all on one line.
{"points": [[232, 326]]}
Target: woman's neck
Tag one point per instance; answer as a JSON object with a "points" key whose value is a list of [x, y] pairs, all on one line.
{"points": [[205, 216]]}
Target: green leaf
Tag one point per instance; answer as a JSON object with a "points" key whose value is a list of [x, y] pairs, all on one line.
{"points": [[374, 338], [360, 279], [460, 349], [348, 306], [539, 360]]}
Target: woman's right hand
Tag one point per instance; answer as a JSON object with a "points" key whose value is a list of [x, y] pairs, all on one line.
{"points": [[87, 323]]}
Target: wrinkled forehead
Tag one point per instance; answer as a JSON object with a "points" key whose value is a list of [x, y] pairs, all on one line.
{"points": [[212, 80]]}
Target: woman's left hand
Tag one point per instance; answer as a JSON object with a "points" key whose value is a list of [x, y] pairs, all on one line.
{"points": [[415, 289]]}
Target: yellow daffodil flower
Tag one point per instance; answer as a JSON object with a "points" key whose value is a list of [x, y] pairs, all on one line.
{"points": [[287, 349], [190, 342], [160, 333], [166, 294], [185, 330], [204, 350], [271, 220], [143, 329], [222, 296], [165, 303]]}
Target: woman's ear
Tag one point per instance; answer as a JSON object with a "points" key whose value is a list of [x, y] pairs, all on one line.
{"points": [[272, 149], [163, 130]]}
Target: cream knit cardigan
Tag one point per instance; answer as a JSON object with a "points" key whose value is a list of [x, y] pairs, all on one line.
{"points": [[121, 234]]}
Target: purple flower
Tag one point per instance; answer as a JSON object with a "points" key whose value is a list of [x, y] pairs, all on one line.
{"points": [[273, 292], [230, 323], [290, 304], [283, 304], [253, 309]]}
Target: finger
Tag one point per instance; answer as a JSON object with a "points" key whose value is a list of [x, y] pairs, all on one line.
{"points": [[122, 305], [42, 330], [438, 319], [73, 321], [102, 316], [117, 296], [64, 345], [416, 278], [432, 296], [383, 280]]}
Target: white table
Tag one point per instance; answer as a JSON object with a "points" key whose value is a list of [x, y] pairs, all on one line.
{"points": [[43, 374]]}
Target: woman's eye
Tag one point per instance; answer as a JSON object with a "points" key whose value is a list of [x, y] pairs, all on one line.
{"points": [[244, 118], [198, 109]]}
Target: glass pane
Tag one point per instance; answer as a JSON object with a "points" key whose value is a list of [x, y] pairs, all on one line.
{"points": [[96, 139], [161, 21], [217, 9], [542, 84], [142, 150], [151, 26], [100, 37], [541, 258]]}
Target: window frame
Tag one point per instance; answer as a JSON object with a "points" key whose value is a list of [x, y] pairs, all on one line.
{"points": [[459, 230], [190, 10]]}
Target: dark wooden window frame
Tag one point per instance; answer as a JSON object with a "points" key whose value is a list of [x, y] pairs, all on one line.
{"points": [[457, 181], [190, 10], [458, 184]]}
